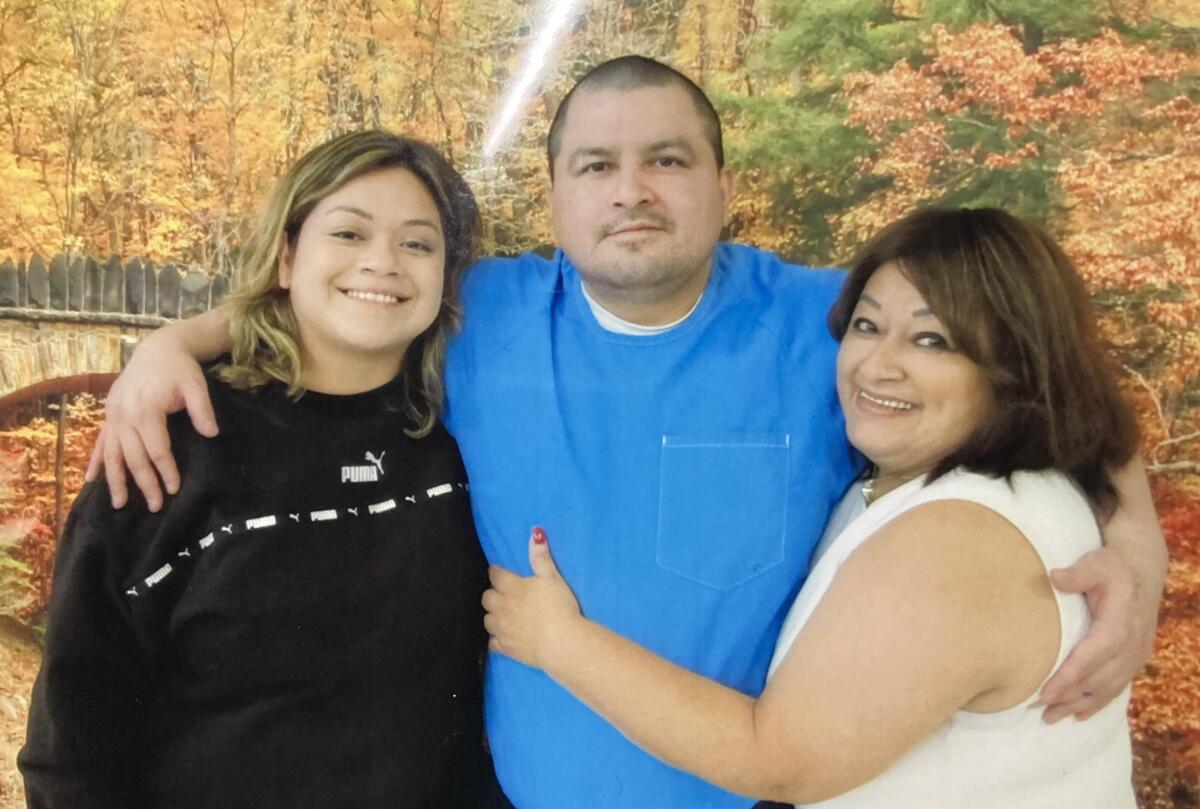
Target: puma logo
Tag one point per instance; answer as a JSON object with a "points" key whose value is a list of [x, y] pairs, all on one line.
{"points": [[377, 462], [379, 508], [158, 575], [365, 474]]}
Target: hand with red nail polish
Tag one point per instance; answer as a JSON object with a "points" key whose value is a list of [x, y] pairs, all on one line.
{"points": [[528, 616]]}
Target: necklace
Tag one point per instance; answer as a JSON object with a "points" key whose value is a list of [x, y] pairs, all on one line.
{"points": [[879, 485], [868, 490]]}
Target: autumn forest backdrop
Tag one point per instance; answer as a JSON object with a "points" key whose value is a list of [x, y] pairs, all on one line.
{"points": [[151, 128]]}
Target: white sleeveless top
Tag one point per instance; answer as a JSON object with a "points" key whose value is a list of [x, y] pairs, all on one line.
{"points": [[1009, 758]]}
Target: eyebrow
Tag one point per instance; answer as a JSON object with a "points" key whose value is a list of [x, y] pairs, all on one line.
{"points": [[667, 144], [924, 311], [672, 143], [585, 152], [360, 212], [351, 209]]}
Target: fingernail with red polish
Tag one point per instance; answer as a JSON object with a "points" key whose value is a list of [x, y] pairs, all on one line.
{"points": [[539, 535]]}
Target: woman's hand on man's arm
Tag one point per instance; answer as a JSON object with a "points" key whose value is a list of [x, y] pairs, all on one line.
{"points": [[163, 377], [916, 623]]}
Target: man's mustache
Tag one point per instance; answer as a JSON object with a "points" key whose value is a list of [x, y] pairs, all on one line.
{"points": [[651, 218]]}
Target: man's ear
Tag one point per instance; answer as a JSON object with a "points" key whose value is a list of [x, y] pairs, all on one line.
{"points": [[553, 215], [728, 187], [286, 256]]}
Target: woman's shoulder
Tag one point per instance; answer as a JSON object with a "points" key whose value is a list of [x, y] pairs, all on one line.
{"points": [[949, 579], [971, 550], [955, 538], [953, 533], [1045, 508]]}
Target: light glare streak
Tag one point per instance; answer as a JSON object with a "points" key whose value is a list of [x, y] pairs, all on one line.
{"points": [[559, 15]]}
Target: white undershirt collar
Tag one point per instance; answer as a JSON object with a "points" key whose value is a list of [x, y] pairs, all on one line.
{"points": [[610, 322]]}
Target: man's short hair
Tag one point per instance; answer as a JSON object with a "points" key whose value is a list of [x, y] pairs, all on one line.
{"points": [[629, 73]]}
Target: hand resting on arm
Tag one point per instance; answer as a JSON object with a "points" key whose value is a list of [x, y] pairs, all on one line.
{"points": [[916, 625]]}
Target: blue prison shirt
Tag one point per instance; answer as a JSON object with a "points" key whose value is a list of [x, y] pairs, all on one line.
{"points": [[683, 478]]}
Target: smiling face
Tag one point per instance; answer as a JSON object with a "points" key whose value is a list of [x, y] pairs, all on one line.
{"points": [[638, 200], [909, 396], [365, 277]]}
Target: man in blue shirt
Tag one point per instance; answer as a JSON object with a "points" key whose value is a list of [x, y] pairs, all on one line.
{"points": [[663, 405]]}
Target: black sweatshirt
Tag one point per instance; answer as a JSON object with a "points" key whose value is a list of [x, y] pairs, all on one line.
{"points": [[300, 626]]}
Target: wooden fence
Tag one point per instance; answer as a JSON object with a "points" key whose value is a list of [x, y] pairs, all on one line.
{"points": [[72, 283]]}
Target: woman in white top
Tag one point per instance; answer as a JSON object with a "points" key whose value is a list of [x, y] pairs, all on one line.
{"points": [[907, 671]]}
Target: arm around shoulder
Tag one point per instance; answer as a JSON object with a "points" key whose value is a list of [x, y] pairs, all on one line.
{"points": [[1133, 529], [162, 377], [1123, 582]]}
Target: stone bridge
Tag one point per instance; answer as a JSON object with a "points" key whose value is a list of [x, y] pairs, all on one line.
{"points": [[70, 323]]}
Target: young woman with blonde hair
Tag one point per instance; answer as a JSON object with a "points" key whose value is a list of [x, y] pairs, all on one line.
{"points": [[300, 624]]}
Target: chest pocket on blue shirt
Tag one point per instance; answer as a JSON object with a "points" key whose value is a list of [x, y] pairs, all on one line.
{"points": [[722, 508]]}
